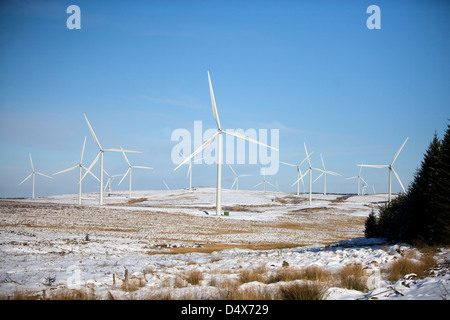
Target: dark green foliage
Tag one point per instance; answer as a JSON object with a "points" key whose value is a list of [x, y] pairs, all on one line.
{"points": [[423, 213]]}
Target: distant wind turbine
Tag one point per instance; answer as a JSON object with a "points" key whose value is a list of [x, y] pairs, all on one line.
{"points": [[33, 174], [236, 180], [263, 182], [100, 154], [189, 172], [218, 134], [81, 167], [110, 180], [310, 169], [324, 174], [129, 172], [391, 169], [299, 173], [359, 177]]}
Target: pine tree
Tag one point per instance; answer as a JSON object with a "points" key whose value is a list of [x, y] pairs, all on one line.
{"points": [[423, 195], [442, 219]]}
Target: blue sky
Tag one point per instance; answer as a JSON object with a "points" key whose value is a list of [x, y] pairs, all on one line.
{"points": [[138, 70]]}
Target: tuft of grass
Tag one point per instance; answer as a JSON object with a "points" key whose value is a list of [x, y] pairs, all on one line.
{"points": [[250, 275], [353, 277], [309, 290], [406, 265], [194, 277]]}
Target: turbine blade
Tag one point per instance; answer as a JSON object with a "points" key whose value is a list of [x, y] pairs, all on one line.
{"points": [[65, 170], [258, 184], [92, 164], [307, 157], [352, 177], [398, 152], [238, 135], [93, 133], [124, 176], [90, 172], [121, 150], [318, 177], [289, 164], [234, 182], [270, 184], [323, 164], [82, 150], [364, 180], [233, 171], [44, 175], [206, 143], [126, 159], [142, 167], [26, 179], [213, 102], [245, 175], [374, 165], [31, 162], [398, 178]]}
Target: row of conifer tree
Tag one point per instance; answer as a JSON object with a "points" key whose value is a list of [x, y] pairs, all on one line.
{"points": [[422, 214]]}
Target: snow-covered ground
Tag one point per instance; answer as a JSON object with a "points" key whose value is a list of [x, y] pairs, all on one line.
{"points": [[49, 245]]}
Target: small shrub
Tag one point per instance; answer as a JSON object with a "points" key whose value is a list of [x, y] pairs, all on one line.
{"points": [[352, 277], [405, 265], [194, 277], [250, 275], [302, 291]]}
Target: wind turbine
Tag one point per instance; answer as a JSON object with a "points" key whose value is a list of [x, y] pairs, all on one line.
{"points": [[310, 169], [110, 180], [167, 187], [359, 177], [299, 173], [81, 167], [236, 180], [189, 172], [264, 181], [33, 173], [324, 174], [129, 171], [100, 154], [218, 134], [391, 169]]}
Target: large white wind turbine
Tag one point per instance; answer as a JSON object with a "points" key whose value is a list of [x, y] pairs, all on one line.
{"points": [[236, 180], [324, 174], [33, 174], [81, 167], [359, 177], [129, 171], [391, 169], [310, 169], [218, 134], [100, 154]]}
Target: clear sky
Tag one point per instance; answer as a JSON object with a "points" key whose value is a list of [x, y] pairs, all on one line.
{"points": [[138, 70]]}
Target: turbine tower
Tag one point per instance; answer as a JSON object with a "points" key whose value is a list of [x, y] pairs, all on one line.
{"points": [[100, 154], [129, 172], [33, 174], [391, 169], [81, 167], [218, 134]]}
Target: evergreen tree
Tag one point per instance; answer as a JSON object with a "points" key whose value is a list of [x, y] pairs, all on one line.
{"points": [[423, 213], [442, 219]]}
